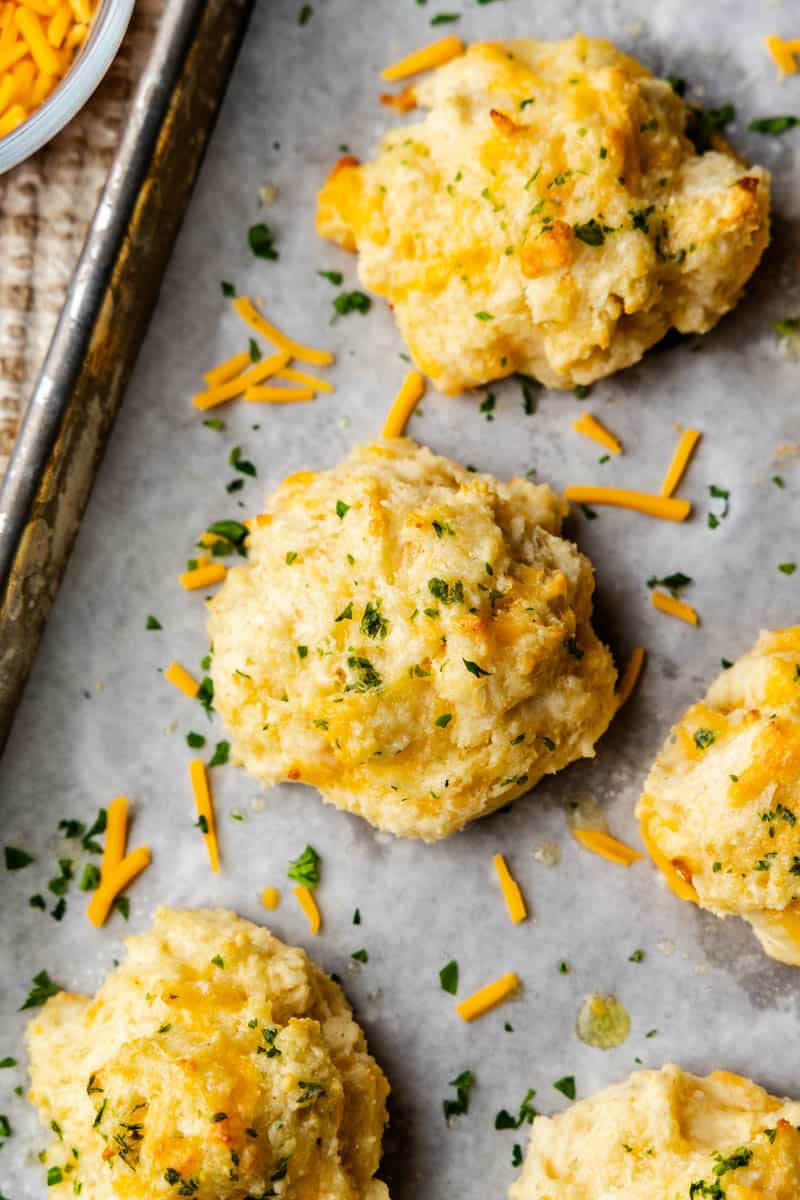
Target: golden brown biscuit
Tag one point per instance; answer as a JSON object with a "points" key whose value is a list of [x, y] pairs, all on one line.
{"points": [[215, 1062], [549, 216], [411, 638], [667, 1135], [720, 811]]}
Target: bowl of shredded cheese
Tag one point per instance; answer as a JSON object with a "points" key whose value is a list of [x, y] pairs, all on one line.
{"points": [[53, 54]]}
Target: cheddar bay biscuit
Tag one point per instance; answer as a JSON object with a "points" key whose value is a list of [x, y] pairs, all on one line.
{"points": [[720, 811], [411, 638], [549, 216], [215, 1062]]}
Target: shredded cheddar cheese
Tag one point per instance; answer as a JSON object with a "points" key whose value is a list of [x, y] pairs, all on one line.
{"points": [[590, 427], [676, 883], [424, 59], [117, 869], [488, 997], [270, 898], [664, 508], [607, 846], [110, 887], [227, 370], [38, 40], [305, 898], [305, 379], [784, 52], [511, 890], [240, 383], [680, 461], [278, 395], [411, 392], [630, 676], [182, 680], [203, 576], [205, 808], [249, 313], [674, 608]]}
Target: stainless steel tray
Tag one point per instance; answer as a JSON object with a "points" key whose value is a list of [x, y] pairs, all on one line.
{"points": [[105, 317]]}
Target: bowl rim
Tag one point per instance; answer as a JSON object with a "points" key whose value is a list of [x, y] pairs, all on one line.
{"points": [[108, 29]]}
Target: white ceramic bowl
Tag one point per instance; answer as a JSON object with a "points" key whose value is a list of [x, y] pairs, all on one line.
{"points": [[96, 56]]}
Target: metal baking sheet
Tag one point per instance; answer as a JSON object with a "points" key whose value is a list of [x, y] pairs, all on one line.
{"points": [[97, 718]]}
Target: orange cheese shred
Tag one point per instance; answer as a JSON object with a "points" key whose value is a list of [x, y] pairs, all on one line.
{"points": [[411, 392], [424, 59], [203, 576], [116, 834], [250, 314], [680, 461], [205, 808], [278, 395], [630, 676], [42, 53], [511, 890], [676, 883], [305, 898], [240, 383], [270, 898], [114, 882], [227, 370], [182, 680], [783, 53], [590, 427], [488, 997], [607, 846], [644, 502], [305, 379], [674, 608]]}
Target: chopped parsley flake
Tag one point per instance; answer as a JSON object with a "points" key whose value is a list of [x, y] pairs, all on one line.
{"points": [[484, 316], [360, 956], [220, 755], [590, 232], [773, 125], [262, 241], [153, 623], [444, 720], [474, 669], [195, 740], [342, 509], [218, 961], [447, 593], [240, 464], [566, 1086], [673, 582], [305, 868], [637, 956], [463, 1084], [703, 738], [525, 1115], [350, 302], [365, 677], [42, 989], [448, 977], [346, 614], [16, 859], [373, 625], [334, 277], [787, 568]]}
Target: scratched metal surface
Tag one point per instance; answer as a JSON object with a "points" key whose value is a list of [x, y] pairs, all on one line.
{"points": [[98, 719]]}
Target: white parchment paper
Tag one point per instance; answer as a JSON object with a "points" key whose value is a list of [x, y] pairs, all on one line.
{"points": [[98, 719]]}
